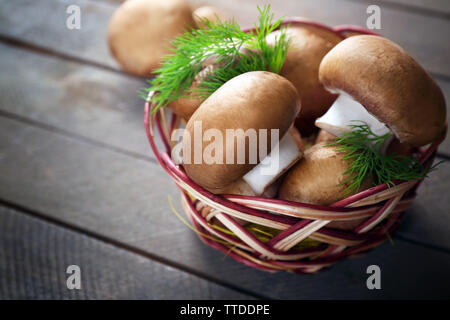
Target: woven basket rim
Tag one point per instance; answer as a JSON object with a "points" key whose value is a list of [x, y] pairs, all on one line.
{"points": [[379, 203]]}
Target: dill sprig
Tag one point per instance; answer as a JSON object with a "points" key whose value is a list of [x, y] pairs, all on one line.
{"points": [[362, 150], [224, 42]]}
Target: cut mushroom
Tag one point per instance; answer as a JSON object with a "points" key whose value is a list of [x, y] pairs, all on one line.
{"points": [[308, 45], [140, 30], [345, 112], [285, 154], [256, 178], [382, 85], [257, 104]]}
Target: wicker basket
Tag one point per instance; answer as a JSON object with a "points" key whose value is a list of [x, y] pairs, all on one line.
{"points": [[380, 207]]}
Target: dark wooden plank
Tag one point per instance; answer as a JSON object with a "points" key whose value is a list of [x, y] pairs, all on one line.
{"points": [[34, 256], [439, 8], [76, 98], [428, 220], [44, 23], [124, 198], [83, 100], [444, 148], [420, 35]]}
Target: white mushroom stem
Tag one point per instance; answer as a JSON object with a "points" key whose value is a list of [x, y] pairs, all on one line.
{"points": [[343, 113], [285, 154]]}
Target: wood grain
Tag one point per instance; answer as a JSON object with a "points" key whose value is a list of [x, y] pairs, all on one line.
{"points": [[436, 8], [444, 148], [420, 35], [43, 23], [72, 147], [125, 199], [34, 256], [82, 100], [422, 6]]}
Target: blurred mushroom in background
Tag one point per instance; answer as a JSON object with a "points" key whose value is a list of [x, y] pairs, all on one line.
{"points": [[139, 32]]}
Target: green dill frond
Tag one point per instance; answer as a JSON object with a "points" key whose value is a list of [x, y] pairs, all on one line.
{"points": [[363, 152], [222, 41]]}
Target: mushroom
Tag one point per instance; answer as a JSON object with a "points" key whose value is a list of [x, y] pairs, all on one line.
{"points": [[308, 45], [380, 84], [324, 136], [242, 188], [209, 13], [293, 131], [140, 30], [318, 179], [256, 107], [393, 146], [186, 105], [238, 187]]}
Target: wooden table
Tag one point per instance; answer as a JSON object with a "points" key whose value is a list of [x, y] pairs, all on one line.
{"points": [[79, 184]]}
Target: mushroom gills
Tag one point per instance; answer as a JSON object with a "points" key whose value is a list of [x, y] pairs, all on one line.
{"points": [[285, 154], [345, 112]]}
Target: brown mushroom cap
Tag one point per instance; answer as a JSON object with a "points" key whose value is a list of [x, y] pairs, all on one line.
{"points": [[390, 84], [242, 188], [140, 30], [317, 178], [308, 45], [238, 187], [253, 100]]}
